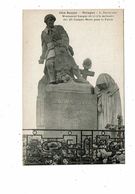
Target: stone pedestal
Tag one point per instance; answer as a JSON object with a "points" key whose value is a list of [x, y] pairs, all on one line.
{"points": [[66, 106]]}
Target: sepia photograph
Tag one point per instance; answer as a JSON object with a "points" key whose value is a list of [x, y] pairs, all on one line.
{"points": [[73, 87], [67, 96]]}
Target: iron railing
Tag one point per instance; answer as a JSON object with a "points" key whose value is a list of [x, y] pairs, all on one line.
{"points": [[53, 146]]}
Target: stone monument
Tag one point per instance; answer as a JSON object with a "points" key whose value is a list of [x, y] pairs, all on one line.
{"points": [[66, 106], [65, 100]]}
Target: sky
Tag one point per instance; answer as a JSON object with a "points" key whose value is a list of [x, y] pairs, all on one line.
{"points": [[101, 41]]}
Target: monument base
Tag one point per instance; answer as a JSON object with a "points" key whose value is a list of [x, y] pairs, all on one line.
{"points": [[66, 106]]}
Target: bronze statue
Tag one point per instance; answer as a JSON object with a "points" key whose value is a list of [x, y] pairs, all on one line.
{"points": [[60, 65]]}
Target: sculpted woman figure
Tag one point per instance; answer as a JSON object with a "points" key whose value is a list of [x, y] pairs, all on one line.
{"points": [[109, 103]]}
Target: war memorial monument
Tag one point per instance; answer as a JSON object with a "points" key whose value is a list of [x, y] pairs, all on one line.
{"points": [[76, 123]]}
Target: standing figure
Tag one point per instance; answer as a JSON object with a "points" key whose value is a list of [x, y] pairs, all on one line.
{"points": [[60, 65], [109, 103]]}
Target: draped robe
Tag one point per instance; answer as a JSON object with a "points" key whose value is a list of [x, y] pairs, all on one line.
{"points": [[109, 102]]}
